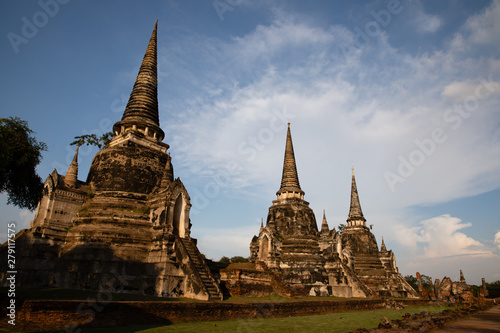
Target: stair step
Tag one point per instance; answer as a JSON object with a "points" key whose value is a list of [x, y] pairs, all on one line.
{"points": [[199, 264]]}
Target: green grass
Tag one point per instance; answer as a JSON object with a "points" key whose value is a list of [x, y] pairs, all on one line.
{"points": [[334, 323]]}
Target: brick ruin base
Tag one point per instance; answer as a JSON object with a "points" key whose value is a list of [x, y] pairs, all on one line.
{"points": [[69, 315]]}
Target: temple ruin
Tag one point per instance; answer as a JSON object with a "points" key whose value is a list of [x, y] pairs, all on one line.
{"points": [[290, 255], [127, 227]]}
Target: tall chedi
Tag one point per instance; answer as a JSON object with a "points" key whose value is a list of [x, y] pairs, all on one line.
{"points": [[130, 218], [288, 242], [375, 269], [357, 237], [135, 160]]}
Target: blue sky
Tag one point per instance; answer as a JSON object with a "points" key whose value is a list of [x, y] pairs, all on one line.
{"points": [[407, 92]]}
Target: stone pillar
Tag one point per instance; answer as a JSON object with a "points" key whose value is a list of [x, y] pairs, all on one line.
{"points": [[485, 290], [432, 293], [424, 294], [436, 289], [462, 278], [420, 285]]}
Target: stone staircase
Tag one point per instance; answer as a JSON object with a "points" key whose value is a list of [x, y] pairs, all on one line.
{"points": [[365, 265], [356, 281], [201, 267]]}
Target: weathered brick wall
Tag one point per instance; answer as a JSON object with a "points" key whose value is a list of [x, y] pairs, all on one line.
{"points": [[67, 315]]}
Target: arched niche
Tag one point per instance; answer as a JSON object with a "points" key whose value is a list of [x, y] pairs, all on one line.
{"points": [[264, 248], [180, 216]]}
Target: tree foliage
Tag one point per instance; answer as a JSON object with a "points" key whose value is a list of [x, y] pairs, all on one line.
{"points": [[235, 259], [20, 153], [93, 140], [493, 289], [426, 282], [341, 227], [412, 281]]}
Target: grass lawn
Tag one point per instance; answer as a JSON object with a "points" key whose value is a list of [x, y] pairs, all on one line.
{"points": [[334, 323]]}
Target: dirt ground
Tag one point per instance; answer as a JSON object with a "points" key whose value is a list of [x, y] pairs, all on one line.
{"points": [[481, 322]]}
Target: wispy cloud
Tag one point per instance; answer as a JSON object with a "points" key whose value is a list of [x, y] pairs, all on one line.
{"points": [[377, 105], [497, 240], [226, 100], [423, 22]]}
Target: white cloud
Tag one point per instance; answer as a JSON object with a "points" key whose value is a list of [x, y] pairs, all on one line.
{"points": [[25, 217], [368, 110], [459, 91], [441, 238], [484, 28], [497, 240], [422, 22], [218, 242], [440, 247], [427, 23]]}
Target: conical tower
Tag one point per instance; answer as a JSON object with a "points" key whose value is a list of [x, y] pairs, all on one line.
{"points": [[71, 178], [382, 247], [356, 217], [290, 186], [141, 113], [136, 158], [324, 224]]}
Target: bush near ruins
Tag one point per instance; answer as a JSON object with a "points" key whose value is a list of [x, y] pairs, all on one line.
{"points": [[235, 259], [493, 289], [93, 140], [426, 282]]}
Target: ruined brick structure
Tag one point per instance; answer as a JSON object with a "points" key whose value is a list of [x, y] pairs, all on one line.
{"points": [[324, 262], [449, 291], [127, 227]]}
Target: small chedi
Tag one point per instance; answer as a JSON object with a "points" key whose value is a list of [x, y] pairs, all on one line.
{"points": [[290, 256], [127, 227]]}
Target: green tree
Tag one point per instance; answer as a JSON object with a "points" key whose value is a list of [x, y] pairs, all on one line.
{"points": [[239, 259], [493, 289], [224, 260], [426, 282], [20, 153], [412, 281], [341, 227], [93, 140]]}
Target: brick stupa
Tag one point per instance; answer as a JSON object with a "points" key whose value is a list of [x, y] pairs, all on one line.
{"points": [[127, 227]]}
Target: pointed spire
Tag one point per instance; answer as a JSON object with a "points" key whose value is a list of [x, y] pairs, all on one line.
{"points": [[462, 278], [382, 247], [71, 178], [142, 106], [290, 179], [261, 224], [356, 217], [324, 224]]}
